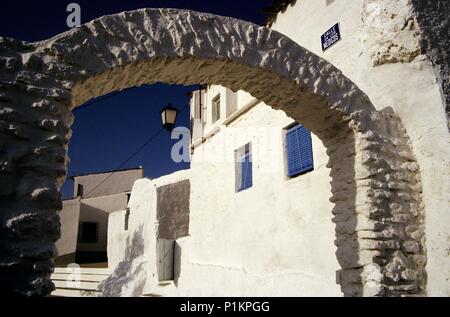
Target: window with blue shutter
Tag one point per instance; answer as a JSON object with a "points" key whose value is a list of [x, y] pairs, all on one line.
{"points": [[298, 150], [244, 177]]}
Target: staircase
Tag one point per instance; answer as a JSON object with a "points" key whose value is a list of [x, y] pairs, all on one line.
{"points": [[78, 282]]}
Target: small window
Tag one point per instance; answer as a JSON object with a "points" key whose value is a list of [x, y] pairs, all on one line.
{"points": [[243, 168], [299, 154], [197, 105], [216, 108], [80, 190], [88, 232]]}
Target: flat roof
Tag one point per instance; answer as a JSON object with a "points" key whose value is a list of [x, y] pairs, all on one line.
{"points": [[107, 172]]}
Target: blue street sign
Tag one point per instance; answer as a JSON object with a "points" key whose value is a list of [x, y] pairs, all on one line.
{"points": [[331, 36]]}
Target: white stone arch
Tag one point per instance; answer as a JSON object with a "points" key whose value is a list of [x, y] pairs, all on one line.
{"points": [[375, 180]]}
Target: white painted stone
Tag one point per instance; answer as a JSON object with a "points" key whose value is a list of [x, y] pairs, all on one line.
{"points": [[385, 33], [173, 46]]}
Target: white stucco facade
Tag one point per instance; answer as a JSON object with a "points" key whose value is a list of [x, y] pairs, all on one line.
{"points": [[273, 239], [381, 55], [388, 168], [238, 244], [277, 237], [95, 197], [251, 233]]}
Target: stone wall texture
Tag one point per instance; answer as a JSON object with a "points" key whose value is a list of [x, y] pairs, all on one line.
{"points": [[411, 89], [392, 34], [398, 31], [433, 17], [376, 186]]}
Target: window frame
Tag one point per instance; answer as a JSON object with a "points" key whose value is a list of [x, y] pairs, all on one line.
{"points": [[286, 131], [243, 155], [215, 109]]}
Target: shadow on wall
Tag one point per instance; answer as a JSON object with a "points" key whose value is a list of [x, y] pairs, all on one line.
{"points": [[339, 140], [127, 273], [341, 152], [128, 277], [93, 252], [177, 264]]}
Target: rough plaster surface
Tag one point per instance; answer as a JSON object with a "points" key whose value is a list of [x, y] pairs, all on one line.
{"points": [[240, 244], [392, 33], [376, 188], [398, 31], [412, 90], [244, 240], [433, 18], [173, 214], [117, 237], [134, 260]]}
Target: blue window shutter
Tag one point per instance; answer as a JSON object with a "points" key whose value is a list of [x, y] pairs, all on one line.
{"points": [[248, 171], [243, 168], [299, 150], [246, 175], [243, 172]]}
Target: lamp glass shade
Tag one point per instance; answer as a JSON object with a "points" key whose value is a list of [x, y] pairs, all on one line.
{"points": [[169, 116]]}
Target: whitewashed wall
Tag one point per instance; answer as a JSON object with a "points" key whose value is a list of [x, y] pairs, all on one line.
{"points": [[69, 217], [274, 239], [96, 210], [385, 34]]}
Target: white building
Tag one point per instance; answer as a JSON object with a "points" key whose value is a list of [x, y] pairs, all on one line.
{"points": [[84, 218], [252, 217]]}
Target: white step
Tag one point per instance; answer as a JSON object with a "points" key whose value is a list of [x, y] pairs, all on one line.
{"points": [[83, 277], [83, 270], [150, 295], [86, 285], [74, 293], [92, 286]]}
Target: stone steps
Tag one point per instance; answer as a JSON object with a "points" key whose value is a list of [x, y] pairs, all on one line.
{"points": [[91, 286], [82, 277], [60, 292], [83, 270], [78, 282]]}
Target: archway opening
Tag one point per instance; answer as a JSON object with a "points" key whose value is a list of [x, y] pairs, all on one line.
{"points": [[338, 137], [213, 177], [184, 47], [116, 139]]}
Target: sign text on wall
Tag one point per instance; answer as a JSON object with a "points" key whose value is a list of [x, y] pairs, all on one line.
{"points": [[331, 36]]}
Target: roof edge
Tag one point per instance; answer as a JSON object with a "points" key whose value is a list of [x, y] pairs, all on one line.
{"points": [[276, 7], [107, 172]]}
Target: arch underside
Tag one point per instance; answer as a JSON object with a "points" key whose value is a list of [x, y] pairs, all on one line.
{"points": [[376, 187]]}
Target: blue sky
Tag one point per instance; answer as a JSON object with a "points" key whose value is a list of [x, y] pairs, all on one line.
{"points": [[106, 132]]}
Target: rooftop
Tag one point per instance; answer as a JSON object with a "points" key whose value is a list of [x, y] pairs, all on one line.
{"points": [[107, 172]]}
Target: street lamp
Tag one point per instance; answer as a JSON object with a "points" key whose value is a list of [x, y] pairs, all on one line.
{"points": [[169, 116]]}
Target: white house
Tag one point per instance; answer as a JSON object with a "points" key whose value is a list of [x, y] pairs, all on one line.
{"points": [[256, 216], [84, 217], [359, 208]]}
